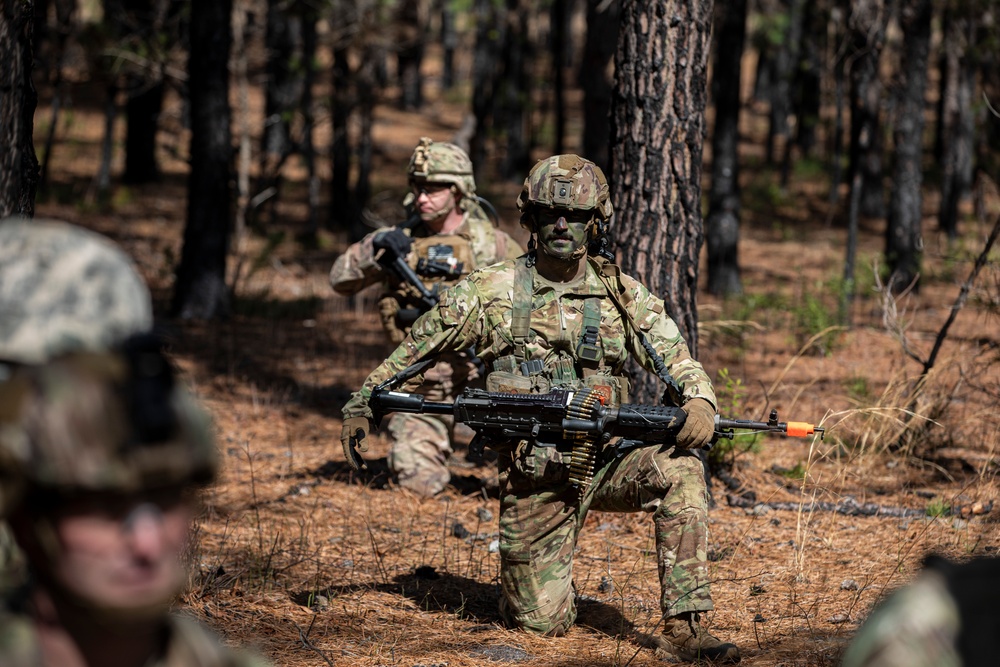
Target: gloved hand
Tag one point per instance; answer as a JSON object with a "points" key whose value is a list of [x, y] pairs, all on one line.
{"points": [[699, 426], [394, 242], [355, 434]]}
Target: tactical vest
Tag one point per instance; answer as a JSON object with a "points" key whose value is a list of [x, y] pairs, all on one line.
{"points": [[583, 366], [440, 261]]}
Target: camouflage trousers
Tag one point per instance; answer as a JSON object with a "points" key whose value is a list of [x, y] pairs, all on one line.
{"points": [[421, 444], [540, 521]]}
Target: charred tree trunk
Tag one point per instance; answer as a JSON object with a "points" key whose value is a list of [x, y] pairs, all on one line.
{"points": [[786, 59], [18, 164], [286, 70], [867, 34], [516, 86], [411, 24], [903, 240], [657, 129], [559, 25], [595, 79], [722, 228], [341, 106], [143, 114], [957, 123], [449, 43], [489, 38], [200, 289], [809, 75]]}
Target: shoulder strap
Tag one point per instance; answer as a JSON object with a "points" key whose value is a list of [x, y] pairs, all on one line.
{"points": [[520, 325], [610, 275]]}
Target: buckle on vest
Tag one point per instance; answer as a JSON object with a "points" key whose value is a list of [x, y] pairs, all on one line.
{"points": [[589, 352]]}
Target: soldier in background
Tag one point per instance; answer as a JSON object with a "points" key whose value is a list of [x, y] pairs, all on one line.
{"points": [[948, 616], [448, 237], [101, 455], [62, 288], [559, 317]]}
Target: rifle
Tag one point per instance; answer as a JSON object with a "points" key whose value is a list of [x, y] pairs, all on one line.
{"points": [[578, 416], [429, 266]]}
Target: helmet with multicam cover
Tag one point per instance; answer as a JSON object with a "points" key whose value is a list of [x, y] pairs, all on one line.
{"points": [[567, 182], [441, 162], [100, 422], [64, 288]]}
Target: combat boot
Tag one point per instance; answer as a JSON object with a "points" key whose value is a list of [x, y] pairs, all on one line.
{"points": [[684, 638]]}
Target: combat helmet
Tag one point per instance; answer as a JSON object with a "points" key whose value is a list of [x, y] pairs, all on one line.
{"points": [[441, 162], [103, 422], [65, 288], [566, 182]]}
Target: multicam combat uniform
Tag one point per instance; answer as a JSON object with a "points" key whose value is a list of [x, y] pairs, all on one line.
{"points": [[420, 444], [186, 644], [510, 315], [947, 617]]}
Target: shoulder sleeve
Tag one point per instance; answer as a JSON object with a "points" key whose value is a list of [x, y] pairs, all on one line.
{"points": [[649, 313], [356, 269], [453, 325]]}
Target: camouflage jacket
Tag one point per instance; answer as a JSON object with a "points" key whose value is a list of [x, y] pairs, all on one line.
{"points": [[188, 644], [915, 627], [358, 267], [478, 312]]}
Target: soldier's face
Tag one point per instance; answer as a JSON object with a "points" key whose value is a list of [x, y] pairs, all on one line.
{"points": [[123, 552], [562, 234], [434, 201]]}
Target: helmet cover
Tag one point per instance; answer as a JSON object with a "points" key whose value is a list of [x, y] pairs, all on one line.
{"points": [[566, 182], [65, 288]]}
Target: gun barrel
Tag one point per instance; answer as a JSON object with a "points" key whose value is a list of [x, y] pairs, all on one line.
{"points": [[793, 429]]}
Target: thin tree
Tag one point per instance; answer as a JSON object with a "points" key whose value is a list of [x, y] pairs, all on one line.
{"points": [[956, 120], [18, 164], [903, 236], [657, 132], [200, 290], [867, 26], [722, 227]]}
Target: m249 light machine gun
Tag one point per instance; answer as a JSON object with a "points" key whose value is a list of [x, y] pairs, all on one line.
{"points": [[579, 417]]}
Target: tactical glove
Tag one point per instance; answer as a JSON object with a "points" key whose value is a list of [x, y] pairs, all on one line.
{"points": [[699, 426], [394, 242], [355, 434]]}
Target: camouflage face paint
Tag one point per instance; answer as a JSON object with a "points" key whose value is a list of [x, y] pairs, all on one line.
{"points": [[562, 234]]}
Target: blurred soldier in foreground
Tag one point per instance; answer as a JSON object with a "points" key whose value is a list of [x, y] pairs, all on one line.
{"points": [[562, 318], [447, 238], [948, 616], [100, 457], [62, 288], [65, 288]]}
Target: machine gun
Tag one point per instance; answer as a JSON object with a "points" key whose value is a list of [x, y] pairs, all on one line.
{"points": [[579, 417]]}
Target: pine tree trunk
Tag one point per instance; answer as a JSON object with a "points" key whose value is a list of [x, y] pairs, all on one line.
{"points": [[657, 129], [200, 291], [722, 227], [903, 238], [599, 49], [956, 119], [867, 34], [18, 164]]}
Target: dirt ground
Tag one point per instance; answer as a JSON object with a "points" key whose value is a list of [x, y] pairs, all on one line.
{"points": [[314, 565]]}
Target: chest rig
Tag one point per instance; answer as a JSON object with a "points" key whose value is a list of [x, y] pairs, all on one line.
{"points": [[439, 262], [578, 365]]}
